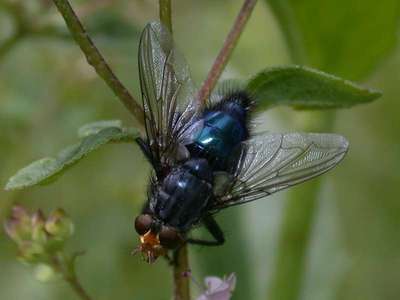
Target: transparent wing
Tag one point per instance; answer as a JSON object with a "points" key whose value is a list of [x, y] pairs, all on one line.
{"points": [[167, 93], [269, 163]]}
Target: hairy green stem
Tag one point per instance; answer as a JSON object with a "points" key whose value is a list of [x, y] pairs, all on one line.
{"points": [[226, 51], [166, 14], [181, 282], [96, 60]]}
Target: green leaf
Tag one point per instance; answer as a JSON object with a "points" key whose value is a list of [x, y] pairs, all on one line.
{"points": [[305, 88], [345, 37], [48, 169], [95, 127]]}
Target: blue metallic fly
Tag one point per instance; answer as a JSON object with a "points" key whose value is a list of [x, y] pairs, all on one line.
{"points": [[205, 160]]}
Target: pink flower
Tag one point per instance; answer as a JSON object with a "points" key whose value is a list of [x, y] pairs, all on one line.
{"points": [[217, 288]]}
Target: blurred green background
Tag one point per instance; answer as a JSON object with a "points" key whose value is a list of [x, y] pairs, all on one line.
{"points": [[47, 91]]}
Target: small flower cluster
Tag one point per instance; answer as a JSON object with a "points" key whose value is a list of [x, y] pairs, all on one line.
{"points": [[38, 238], [215, 288], [218, 288]]}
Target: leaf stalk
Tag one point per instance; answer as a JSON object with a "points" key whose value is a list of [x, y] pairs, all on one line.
{"points": [[97, 61], [226, 51]]}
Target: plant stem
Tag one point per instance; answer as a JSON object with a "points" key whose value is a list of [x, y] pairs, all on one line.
{"points": [[96, 60], [8, 44], [165, 14], [25, 28], [301, 207], [181, 282], [17, 12], [226, 51], [283, 11], [66, 268], [293, 242], [181, 259], [296, 229], [77, 287]]}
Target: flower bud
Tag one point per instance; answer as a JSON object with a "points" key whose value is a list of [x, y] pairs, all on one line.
{"points": [[44, 273], [18, 225], [39, 233], [38, 239], [59, 225], [31, 252]]}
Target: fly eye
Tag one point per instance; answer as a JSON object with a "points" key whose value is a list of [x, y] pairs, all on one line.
{"points": [[143, 223], [169, 237]]}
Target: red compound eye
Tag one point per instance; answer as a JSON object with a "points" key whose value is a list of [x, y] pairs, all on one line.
{"points": [[169, 237], [143, 223]]}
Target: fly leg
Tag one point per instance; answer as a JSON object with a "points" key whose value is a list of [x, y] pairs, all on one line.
{"points": [[144, 146], [146, 150], [214, 229]]}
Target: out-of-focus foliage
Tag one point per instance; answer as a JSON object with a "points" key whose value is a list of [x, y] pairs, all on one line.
{"points": [[352, 39], [47, 92], [347, 38]]}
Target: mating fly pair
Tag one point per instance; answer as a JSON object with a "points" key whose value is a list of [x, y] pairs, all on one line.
{"points": [[205, 159]]}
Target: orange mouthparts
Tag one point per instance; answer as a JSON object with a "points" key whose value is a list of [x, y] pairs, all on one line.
{"points": [[150, 247]]}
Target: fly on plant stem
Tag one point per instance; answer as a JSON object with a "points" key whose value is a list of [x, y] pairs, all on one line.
{"points": [[205, 159]]}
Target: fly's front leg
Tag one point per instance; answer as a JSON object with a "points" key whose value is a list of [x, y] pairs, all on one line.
{"points": [[214, 229]]}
